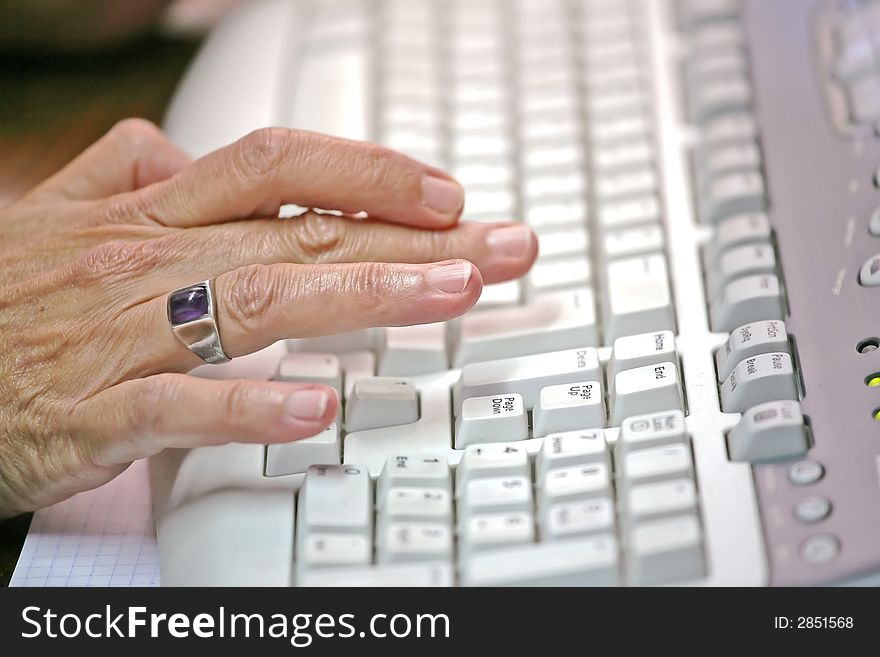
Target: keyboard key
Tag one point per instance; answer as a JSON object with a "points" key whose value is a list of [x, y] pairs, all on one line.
{"points": [[664, 551], [499, 295], [415, 504], [644, 466], [381, 402], [582, 518], [539, 215], [496, 418], [738, 231], [577, 482], [494, 495], [551, 321], [734, 127], [356, 365], [385, 575], [759, 379], [527, 375], [730, 158], [318, 368], [571, 448], [638, 297], [748, 260], [413, 472], [750, 340], [651, 430], [745, 300], [589, 561], [631, 212], [733, 194], [661, 499], [644, 390], [487, 531], [731, 94], [623, 156], [491, 460], [562, 273], [402, 542], [297, 456], [567, 407], [639, 350], [625, 184], [769, 431], [563, 243], [413, 350], [322, 549], [335, 499], [632, 242]]}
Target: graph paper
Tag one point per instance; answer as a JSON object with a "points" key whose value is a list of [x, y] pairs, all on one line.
{"points": [[103, 537]]}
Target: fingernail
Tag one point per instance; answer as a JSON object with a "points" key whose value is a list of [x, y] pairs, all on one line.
{"points": [[513, 241], [441, 195], [451, 278], [307, 404]]}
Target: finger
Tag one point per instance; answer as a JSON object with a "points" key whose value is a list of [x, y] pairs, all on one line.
{"points": [[140, 417], [271, 167], [132, 155], [261, 304], [500, 251]]}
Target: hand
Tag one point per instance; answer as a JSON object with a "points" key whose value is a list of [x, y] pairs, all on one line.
{"points": [[90, 371]]}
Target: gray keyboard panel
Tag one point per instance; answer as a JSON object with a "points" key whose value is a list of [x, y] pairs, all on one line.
{"points": [[819, 528]]}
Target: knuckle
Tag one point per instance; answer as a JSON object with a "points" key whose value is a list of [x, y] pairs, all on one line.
{"points": [[317, 236], [372, 282], [135, 131], [148, 403], [235, 404], [381, 165], [251, 293], [118, 260], [262, 152]]}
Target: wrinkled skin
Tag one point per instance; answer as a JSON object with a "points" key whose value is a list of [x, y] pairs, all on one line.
{"points": [[91, 375]]}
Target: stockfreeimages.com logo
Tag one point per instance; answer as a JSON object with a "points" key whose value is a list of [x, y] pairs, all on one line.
{"points": [[299, 629]]}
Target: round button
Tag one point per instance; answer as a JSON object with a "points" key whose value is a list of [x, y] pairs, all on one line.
{"points": [[820, 548], [869, 276], [812, 509], [803, 473], [874, 223]]}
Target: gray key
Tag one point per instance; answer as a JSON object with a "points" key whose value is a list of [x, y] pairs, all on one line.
{"points": [[864, 99], [812, 509], [738, 231], [759, 379], [742, 261], [733, 194], [729, 94], [665, 550], [745, 300], [869, 275], [874, 223], [526, 375], [769, 431], [729, 158], [749, 340], [381, 402], [729, 128]]}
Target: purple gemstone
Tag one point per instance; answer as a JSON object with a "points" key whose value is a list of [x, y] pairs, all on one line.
{"points": [[188, 304]]}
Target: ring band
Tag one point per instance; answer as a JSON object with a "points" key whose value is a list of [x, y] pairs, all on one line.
{"points": [[192, 313]]}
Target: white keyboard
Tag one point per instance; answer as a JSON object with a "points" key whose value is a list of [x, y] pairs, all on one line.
{"points": [[593, 423]]}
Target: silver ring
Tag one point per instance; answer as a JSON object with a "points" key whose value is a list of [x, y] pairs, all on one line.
{"points": [[192, 313]]}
